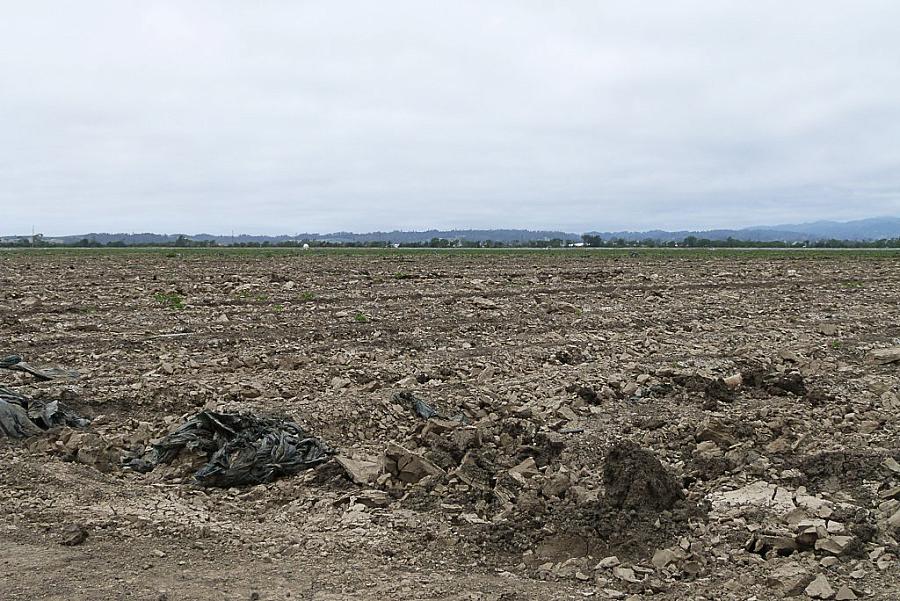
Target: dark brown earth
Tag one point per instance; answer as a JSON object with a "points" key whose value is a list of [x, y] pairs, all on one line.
{"points": [[613, 374]]}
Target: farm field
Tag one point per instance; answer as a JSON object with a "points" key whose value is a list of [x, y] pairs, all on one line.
{"points": [[604, 424]]}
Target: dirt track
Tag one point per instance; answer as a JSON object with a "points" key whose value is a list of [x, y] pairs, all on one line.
{"points": [[586, 349]]}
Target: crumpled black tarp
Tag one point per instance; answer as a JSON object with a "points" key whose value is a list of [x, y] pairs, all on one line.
{"points": [[242, 448], [22, 416], [423, 409], [14, 422], [15, 363]]}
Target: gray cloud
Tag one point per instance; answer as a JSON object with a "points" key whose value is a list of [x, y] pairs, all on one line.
{"points": [[297, 116]]}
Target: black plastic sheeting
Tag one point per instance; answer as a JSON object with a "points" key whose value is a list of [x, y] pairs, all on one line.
{"points": [[242, 449], [22, 416], [423, 409], [15, 363]]}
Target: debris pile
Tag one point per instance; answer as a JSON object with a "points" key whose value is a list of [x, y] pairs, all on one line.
{"points": [[507, 472], [462, 464], [22, 416], [236, 449]]}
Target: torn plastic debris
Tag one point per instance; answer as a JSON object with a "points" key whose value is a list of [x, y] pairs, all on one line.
{"points": [[423, 409], [22, 416], [15, 363], [241, 449]]}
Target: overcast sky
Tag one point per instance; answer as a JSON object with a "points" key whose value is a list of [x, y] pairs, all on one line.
{"points": [[284, 117]]}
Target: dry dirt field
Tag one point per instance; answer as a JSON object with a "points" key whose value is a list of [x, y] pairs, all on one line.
{"points": [[696, 425]]}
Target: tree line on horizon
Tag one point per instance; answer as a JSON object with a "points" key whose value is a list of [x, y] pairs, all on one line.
{"points": [[587, 240]]}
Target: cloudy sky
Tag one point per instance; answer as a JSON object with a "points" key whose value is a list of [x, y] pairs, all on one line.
{"points": [[280, 117]]}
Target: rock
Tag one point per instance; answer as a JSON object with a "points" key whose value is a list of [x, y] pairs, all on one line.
{"points": [[626, 574], [835, 545], [691, 568], [473, 471], [486, 374], [74, 535], [562, 307], [814, 505], [827, 329], [819, 588], [406, 466], [338, 382], [527, 468], [763, 543], [439, 425], [608, 562], [368, 498], [483, 303], [250, 391], [663, 557], [790, 578], [835, 527], [845, 593], [759, 494], [894, 520], [91, 449], [884, 356], [360, 471], [717, 433], [557, 486], [734, 382], [891, 464], [829, 562], [463, 438]]}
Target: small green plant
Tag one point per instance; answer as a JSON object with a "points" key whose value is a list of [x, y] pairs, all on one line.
{"points": [[307, 296], [837, 344], [172, 300], [262, 298], [852, 284], [402, 276], [360, 317], [278, 308]]}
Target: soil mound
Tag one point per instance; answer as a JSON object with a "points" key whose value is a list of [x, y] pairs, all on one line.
{"points": [[636, 480]]}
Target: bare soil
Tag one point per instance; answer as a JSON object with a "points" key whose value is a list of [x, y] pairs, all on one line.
{"points": [[600, 414]]}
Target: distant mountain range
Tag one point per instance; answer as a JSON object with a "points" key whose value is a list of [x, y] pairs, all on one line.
{"points": [[863, 229], [876, 228]]}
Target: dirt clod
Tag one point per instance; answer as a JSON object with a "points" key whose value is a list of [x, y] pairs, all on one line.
{"points": [[635, 480]]}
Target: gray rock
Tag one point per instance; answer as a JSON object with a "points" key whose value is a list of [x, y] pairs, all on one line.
{"points": [[819, 588]]}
